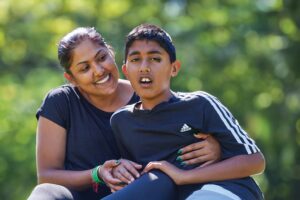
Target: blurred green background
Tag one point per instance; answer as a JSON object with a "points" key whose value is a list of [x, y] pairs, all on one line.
{"points": [[244, 52]]}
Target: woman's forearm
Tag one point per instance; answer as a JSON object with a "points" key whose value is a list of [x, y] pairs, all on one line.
{"points": [[78, 180], [235, 167]]}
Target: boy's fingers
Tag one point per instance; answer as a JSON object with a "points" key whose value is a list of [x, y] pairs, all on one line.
{"points": [[148, 167], [152, 165]]}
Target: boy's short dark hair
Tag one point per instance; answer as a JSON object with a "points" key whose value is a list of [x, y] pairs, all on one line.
{"points": [[152, 33]]}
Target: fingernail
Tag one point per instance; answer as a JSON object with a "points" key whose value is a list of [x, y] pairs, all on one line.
{"points": [[182, 163], [179, 159], [117, 161], [179, 152]]}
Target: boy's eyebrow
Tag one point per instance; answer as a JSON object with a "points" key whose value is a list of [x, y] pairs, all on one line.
{"points": [[149, 52], [82, 62]]}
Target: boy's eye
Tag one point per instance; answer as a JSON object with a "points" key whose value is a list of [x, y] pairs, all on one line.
{"points": [[156, 59], [134, 59]]}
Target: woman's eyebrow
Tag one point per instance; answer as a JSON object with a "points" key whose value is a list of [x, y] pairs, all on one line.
{"points": [[85, 61]]}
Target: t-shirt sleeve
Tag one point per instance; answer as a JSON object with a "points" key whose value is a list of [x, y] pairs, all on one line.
{"points": [[219, 121], [55, 107]]}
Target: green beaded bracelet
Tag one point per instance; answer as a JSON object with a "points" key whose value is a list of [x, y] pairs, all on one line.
{"points": [[95, 176]]}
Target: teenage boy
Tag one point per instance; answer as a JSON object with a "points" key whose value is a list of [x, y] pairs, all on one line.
{"points": [[155, 128]]}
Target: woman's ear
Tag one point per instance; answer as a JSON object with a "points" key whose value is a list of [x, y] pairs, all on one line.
{"points": [[69, 77], [175, 68]]}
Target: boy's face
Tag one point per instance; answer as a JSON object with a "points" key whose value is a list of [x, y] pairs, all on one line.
{"points": [[149, 70]]}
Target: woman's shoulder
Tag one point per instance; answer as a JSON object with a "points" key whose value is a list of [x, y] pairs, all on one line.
{"points": [[125, 83], [63, 90]]}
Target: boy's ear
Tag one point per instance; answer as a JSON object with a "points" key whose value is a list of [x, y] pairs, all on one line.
{"points": [[124, 70], [175, 68]]}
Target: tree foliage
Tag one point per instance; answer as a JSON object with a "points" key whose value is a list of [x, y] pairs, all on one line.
{"points": [[244, 52]]}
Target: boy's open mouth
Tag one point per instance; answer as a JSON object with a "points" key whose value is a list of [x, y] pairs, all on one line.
{"points": [[145, 81]]}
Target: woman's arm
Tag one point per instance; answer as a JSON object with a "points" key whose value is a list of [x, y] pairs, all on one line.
{"points": [[235, 167], [50, 155], [204, 152]]}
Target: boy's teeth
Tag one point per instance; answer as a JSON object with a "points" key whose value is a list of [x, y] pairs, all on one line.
{"points": [[103, 80], [145, 80]]}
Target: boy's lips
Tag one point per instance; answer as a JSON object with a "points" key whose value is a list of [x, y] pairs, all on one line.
{"points": [[145, 81]]}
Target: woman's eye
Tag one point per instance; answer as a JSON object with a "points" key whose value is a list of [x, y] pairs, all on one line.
{"points": [[101, 58], [84, 68]]}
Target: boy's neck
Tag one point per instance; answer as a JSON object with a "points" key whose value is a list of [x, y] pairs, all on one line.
{"points": [[149, 104]]}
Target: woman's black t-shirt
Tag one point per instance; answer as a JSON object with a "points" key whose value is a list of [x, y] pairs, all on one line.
{"points": [[90, 141]]}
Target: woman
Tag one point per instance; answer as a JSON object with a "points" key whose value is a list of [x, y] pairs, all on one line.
{"points": [[74, 133]]}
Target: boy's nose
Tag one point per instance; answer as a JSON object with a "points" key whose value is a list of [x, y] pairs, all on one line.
{"points": [[145, 67]]}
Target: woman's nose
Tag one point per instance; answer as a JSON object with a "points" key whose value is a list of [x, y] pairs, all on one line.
{"points": [[98, 70]]}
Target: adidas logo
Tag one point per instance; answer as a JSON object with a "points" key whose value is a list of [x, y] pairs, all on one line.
{"points": [[185, 128]]}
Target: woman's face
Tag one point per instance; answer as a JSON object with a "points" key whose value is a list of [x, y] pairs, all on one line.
{"points": [[93, 69]]}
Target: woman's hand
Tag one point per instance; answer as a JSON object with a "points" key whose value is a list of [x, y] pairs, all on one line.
{"points": [[105, 172], [175, 173], [206, 151], [127, 171]]}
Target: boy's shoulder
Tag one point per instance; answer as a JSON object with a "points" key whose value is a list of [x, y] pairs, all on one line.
{"points": [[196, 95], [125, 110]]}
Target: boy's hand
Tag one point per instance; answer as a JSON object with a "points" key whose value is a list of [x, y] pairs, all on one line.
{"points": [[175, 173], [207, 151], [126, 171]]}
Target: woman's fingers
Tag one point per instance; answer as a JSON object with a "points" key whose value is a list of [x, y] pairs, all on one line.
{"points": [[191, 147], [195, 154], [132, 168], [121, 173], [105, 172], [203, 152], [201, 136], [200, 159], [127, 171], [115, 188]]}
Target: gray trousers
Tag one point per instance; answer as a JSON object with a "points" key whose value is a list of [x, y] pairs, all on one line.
{"points": [[48, 191]]}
